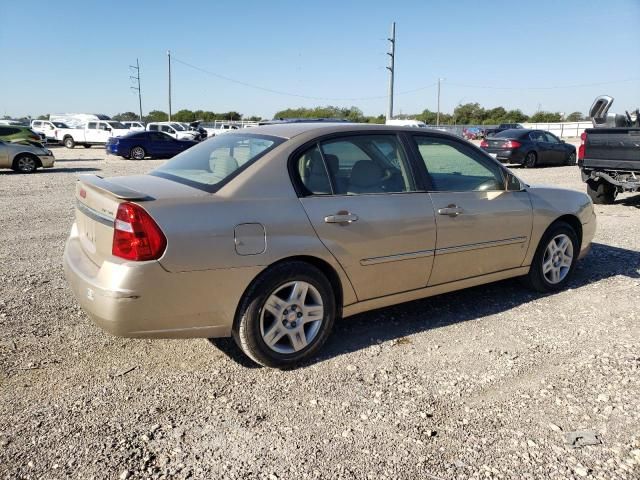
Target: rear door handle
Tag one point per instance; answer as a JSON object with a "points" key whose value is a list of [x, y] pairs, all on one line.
{"points": [[451, 210], [341, 217]]}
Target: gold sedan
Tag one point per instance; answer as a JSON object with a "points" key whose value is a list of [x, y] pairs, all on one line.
{"points": [[270, 234]]}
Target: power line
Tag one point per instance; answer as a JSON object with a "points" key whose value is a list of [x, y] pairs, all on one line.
{"points": [[554, 87], [288, 94]]}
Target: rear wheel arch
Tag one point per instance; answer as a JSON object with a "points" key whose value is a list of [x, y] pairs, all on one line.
{"points": [[325, 268]]}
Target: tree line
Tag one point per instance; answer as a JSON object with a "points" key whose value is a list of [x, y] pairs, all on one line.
{"points": [[464, 114]]}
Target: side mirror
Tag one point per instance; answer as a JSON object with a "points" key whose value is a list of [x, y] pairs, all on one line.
{"points": [[513, 183]]}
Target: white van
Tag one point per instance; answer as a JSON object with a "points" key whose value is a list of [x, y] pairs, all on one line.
{"points": [[174, 129]]}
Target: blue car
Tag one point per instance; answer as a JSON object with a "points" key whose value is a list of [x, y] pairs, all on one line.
{"points": [[138, 145]]}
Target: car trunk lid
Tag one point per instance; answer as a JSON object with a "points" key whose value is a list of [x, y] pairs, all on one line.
{"points": [[97, 201]]}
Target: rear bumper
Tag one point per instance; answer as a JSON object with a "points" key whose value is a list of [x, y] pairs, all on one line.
{"points": [[142, 299], [506, 156]]}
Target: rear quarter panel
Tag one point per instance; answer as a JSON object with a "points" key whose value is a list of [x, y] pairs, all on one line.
{"points": [[200, 230]]}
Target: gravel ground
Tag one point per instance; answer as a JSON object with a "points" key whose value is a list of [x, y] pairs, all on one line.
{"points": [[484, 383]]}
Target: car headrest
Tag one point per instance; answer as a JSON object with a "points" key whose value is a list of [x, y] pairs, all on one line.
{"points": [[222, 166], [366, 173]]}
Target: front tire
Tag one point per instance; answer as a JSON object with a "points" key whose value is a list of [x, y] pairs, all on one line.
{"points": [[137, 153], [530, 160], [69, 142], [601, 193], [555, 259], [25, 164], [286, 315]]}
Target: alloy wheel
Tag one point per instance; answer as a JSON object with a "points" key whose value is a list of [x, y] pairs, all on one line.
{"points": [[26, 164], [558, 258], [291, 317], [137, 153]]}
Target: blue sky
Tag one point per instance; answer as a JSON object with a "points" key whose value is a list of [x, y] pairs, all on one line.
{"points": [[73, 56]]}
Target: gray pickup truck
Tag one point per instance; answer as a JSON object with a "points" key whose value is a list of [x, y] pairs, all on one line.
{"points": [[609, 156]]}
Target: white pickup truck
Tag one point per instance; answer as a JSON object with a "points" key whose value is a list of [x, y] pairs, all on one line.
{"points": [[93, 133], [48, 128]]}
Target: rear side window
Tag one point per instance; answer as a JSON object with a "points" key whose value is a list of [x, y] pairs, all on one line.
{"points": [[211, 164], [357, 165], [454, 167], [153, 128], [92, 125]]}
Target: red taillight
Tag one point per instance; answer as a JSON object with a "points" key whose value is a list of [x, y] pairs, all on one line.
{"points": [[511, 144], [136, 235], [484, 144], [583, 141]]}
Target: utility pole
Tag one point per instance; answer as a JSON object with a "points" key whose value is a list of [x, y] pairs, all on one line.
{"points": [[137, 78], [169, 56], [392, 56], [438, 114]]}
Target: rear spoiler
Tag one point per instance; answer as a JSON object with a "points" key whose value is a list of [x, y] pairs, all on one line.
{"points": [[113, 189]]}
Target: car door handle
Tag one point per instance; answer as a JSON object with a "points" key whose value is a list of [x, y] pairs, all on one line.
{"points": [[451, 210], [341, 217]]}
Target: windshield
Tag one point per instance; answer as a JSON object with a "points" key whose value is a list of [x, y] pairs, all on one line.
{"points": [[210, 164], [178, 127], [117, 125]]}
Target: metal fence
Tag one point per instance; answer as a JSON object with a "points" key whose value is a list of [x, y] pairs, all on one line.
{"points": [[559, 129]]}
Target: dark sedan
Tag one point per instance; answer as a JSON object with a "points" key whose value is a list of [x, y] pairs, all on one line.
{"points": [[138, 145], [529, 148]]}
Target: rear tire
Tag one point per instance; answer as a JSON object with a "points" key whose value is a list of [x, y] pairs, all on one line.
{"points": [[601, 193], [25, 163], [292, 303], [137, 153], [530, 160], [555, 259], [69, 142], [571, 159]]}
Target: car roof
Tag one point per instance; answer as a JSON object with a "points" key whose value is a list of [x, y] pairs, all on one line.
{"points": [[290, 130]]}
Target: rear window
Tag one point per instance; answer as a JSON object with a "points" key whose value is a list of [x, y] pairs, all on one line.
{"points": [[511, 133], [213, 163]]}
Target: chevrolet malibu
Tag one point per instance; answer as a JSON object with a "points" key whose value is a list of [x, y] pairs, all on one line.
{"points": [[270, 234]]}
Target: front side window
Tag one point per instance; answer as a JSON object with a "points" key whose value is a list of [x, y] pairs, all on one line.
{"points": [[455, 167], [210, 164], [365, 164]]}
